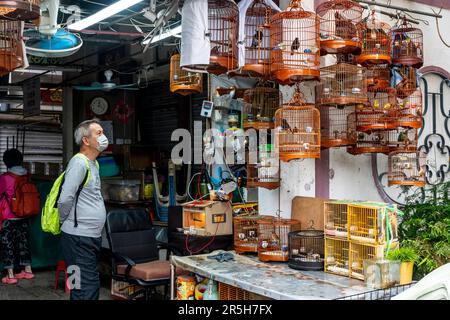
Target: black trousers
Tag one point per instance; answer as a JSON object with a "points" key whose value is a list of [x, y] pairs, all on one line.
{"points": [[15, 239], [81, 255]]}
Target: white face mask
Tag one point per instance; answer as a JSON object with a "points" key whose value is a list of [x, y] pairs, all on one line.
{"points": [[102, 143]]}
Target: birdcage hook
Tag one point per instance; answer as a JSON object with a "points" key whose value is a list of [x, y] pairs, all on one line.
{"points": [[298, 98], [295, 4], [311, 222]]}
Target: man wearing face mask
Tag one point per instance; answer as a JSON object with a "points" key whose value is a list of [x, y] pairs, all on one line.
{"points": [[82, 212]]}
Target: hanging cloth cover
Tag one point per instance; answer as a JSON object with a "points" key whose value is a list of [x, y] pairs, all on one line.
{"points": [[195, 45], [243, 7], [25, 63]]}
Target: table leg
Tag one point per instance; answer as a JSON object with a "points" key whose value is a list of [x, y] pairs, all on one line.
{"points": [[172, 281]]}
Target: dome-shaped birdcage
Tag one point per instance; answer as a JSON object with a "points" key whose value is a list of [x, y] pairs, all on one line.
{"points": [[246, 232], [405, 80], [297, 129], [402, 139], [376, 43], [370, 142], [407, 168], [306, 250], [410, 111], [254, 37], [340, 28], [380, 113], [266, 172], [407, 45], [184, 82], [11, 49], [221, 27], [273, 238], [295, 43], [378, 77], [260, 104], [341, 84], [338, 126], [20, 9]]}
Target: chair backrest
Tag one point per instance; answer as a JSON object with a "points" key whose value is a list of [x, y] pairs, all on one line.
{"points": [[130, 233]]}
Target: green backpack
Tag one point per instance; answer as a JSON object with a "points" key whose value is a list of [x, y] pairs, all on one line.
{"points": [[50, 214]]}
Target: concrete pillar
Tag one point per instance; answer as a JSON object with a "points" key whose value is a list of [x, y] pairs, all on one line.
{"points": [[67, 120]]}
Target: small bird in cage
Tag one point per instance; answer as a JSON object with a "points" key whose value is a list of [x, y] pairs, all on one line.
{"points": [[337, 134], [241, 236], [378, 137], [361, 136], [257, 38], [407, 165], [402, 136], [215, 51], [295, 46], [252, 234], [275, 239], [387, 106], [344, 27]]}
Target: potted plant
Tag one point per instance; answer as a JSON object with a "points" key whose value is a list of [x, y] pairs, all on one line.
{"points": [[407, 257]]}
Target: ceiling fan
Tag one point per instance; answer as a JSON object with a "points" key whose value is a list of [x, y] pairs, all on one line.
{"points": [[108, 85]]}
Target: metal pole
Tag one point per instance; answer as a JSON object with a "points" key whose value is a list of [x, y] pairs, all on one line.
{"points": [[399, 8], [172, 281], [391, 15]]}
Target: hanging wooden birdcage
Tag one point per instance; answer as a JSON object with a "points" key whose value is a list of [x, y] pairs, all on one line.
{"points": [[340, 26], [297, 127], [266, 172], [370, 142], [378, 77], [273, 238], [20, 9], [341, 84], [254, 34], [338, 126], [407, 168], [11, 49], [410, 111], [246, 232], [405, 80], [407, 45], [306, 250], [402, 139], [222, 31], [376, 43], [184, 82], [295, 43], [260, 104]]}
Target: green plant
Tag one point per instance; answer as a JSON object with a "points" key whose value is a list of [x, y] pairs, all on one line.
{"points": [[425, 228], [403, 254]]}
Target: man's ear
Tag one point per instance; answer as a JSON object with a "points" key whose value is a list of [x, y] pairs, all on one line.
{"points": [[85, 140]]}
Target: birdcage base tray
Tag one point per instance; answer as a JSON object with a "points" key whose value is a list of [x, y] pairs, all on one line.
{"points": [[287, 76], [246, 248], [336, 143], [276, 256], [364, 150], [340, 46], [357, 275], [263, 184], [377, 86], [6, 59], [184, 90], [23, 10], [414, 62], [373, 59], [413, 123], [305, 265], [299, 155], [259, 125], [338, 270], [256, 70], [363, 240], [419, 184], [221, 64], [336, 234], [376, 126], [333, 101]]}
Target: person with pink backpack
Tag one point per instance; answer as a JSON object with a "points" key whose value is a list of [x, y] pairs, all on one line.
{"points": [[17, 193]]}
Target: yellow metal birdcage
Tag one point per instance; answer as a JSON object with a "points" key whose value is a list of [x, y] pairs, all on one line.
{"points": [[295, 43], [407, 168], [335, 219], [11, 49], [338, 126], [340, 28], [376, 43], [337, 256], [184, 82], [23, 10], [407, 45]]}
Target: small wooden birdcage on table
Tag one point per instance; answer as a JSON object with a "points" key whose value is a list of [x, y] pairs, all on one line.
{"points": [[295, 43], [306, 250], [378, 77], [11, 49], [246, 232], [407, 45], [376, 43], [342, 84], [338, 126], [410, 111], [260, 104], [266, 172], [340, 26], [337, 256], [184, 82], [402, 139], [405, 80], [23, 10], [273, 238], [370, 142], [297, 127], [407, 168], [335, 219]]}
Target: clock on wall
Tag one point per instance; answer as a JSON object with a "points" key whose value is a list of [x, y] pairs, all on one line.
{"points": [[99, 106]]}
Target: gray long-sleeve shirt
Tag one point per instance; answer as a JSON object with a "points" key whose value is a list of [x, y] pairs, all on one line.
{"points": [[91, 212]]}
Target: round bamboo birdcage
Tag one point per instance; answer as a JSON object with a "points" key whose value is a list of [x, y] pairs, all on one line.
{"points": [[257, 39], [340, 28], [295, 43], [273, 238], [266, 172], [402, 139], [338, 126], [405, 79], [407, 168], [376, 43], [260, 104], [378, 77], [246, 232], [297, 130], [410, 111], [370, 142], [407, 45], [20, 9], [342, 84], [11, 52], [184, 82]]}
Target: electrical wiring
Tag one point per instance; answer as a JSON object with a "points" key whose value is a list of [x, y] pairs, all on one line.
{"points": [[438, 29]]}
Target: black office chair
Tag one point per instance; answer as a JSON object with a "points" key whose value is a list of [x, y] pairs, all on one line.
{"points": [[135, 250]]}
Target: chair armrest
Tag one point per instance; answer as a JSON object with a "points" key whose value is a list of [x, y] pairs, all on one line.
{"points": [[129, 261]]}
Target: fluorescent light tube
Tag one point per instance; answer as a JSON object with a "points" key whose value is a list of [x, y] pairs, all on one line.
{"points": [[167, 34], [103, 14]]}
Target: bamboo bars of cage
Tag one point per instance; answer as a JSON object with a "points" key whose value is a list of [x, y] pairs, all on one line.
{"points": [[338, 126], [246, 232], [407, 168], [22, 10], [260, 104], [11, 49], [184, 82], [370, 142], [340, 27], [407, 45], [401, 139], [337, 256], [378, 77], [228, 292], [273, 239], [266, 172], [406, 81], [342, 84], [410, 111], [295, 43], [306, 250], [376, 43]]}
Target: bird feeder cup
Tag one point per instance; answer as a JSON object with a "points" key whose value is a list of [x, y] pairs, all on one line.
{"points": [[338, 126], [11, 49], [22, 10], [184, 82], [376, 43], [340, 27], [295, 44], [407, 169], [407, 46]]}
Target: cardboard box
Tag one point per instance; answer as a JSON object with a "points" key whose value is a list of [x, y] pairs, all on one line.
{"points": [[208, 218]]}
